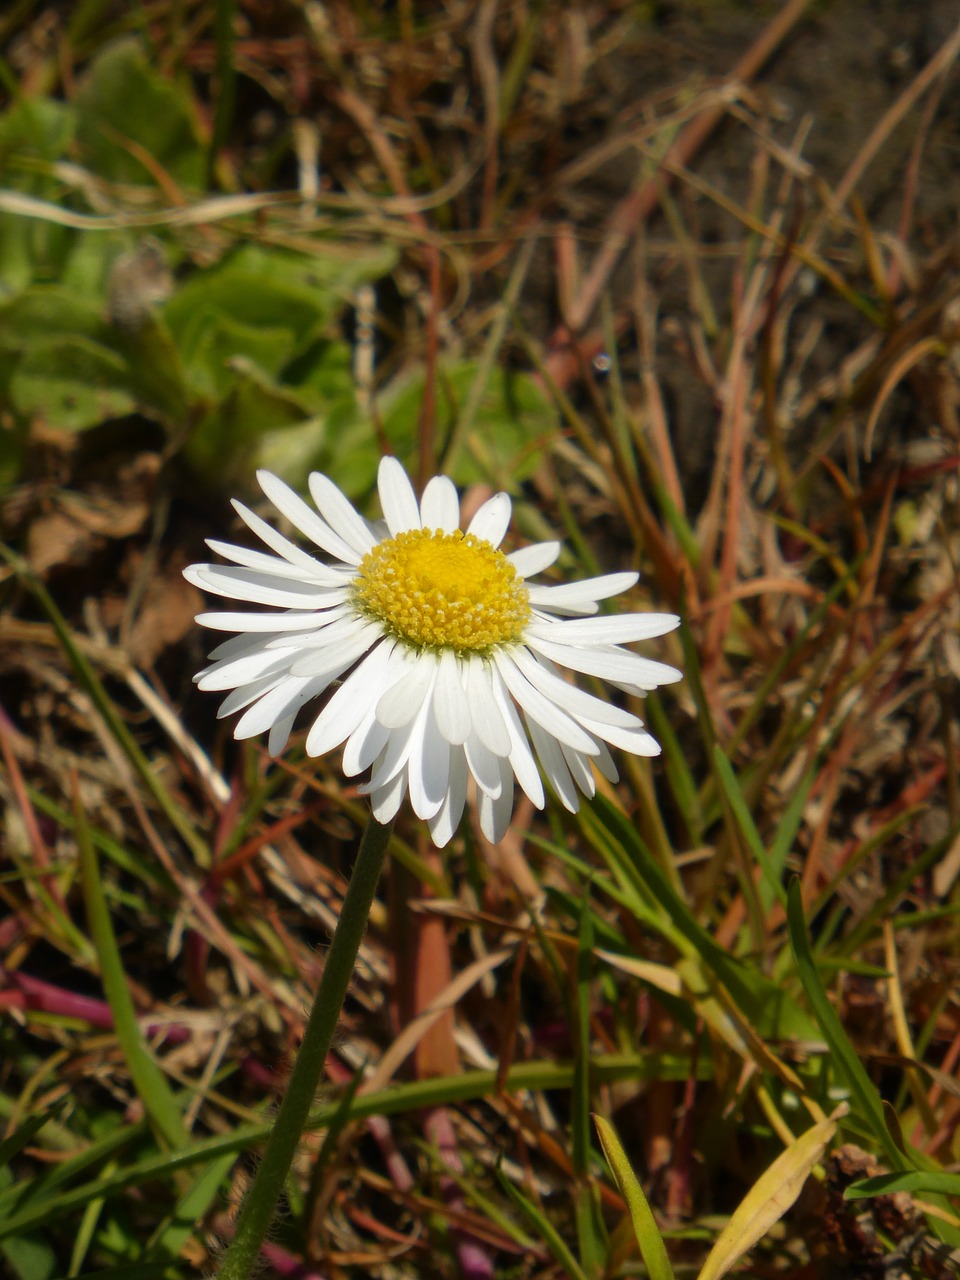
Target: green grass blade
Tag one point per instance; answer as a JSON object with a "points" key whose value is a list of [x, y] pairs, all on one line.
{"points": [[652, 1249], [24, 1133], [590, 1232], [172, 1235], [90, 682], [148, 1079], [842, 1053], [918, 1180], [545, 1229], [770, 887]]}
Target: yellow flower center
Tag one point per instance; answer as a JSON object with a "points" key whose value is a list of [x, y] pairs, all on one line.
{"points": [[443, 591]]}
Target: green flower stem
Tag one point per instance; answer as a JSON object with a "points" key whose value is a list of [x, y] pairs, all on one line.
{"points": [[260, 1204]]}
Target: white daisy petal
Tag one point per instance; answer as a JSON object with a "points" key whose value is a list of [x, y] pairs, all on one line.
{"points": [[280, 734], [269, 563], [554, 765], [603, 761], [251, 666], [491, 521], [613, 629], [440, 506], [450, 704], [292, 506], [400, 507], [568, 696], [352, 701], [386, 801], [488, 722], [404, 740], [484, 766], [336, 659], [239, 647], [495, 812], [580, 770], [428, 765], [521, 757], [364, 744], [276, 541], [618, 665], [447, 818], [637, 741], [293, 621], [258, 588], [582, 596], [284, 699], [536, 704], [340, 514], [324, 625], [400, 704], [535, 558], [589, 590], [245, 694]]}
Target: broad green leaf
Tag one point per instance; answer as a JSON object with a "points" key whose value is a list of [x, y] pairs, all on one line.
{"points": [[122, 100], [266, 304], [32, 130], [224, 446], [48, 311], [769, 1198], [29, 1258], [652, 1248], [70, 383]]}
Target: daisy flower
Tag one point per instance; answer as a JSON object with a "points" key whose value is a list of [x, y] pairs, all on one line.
{"points": [[446, 660]]}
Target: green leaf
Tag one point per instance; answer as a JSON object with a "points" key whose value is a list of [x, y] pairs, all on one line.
{"points": [[652, 1248], [34, 133], [48, 311], [124, 100], [266, 304], [70, 383], [29, 1258]]}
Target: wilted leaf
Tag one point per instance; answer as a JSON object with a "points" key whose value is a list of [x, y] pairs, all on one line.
{"points": [[769, 1198]]}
